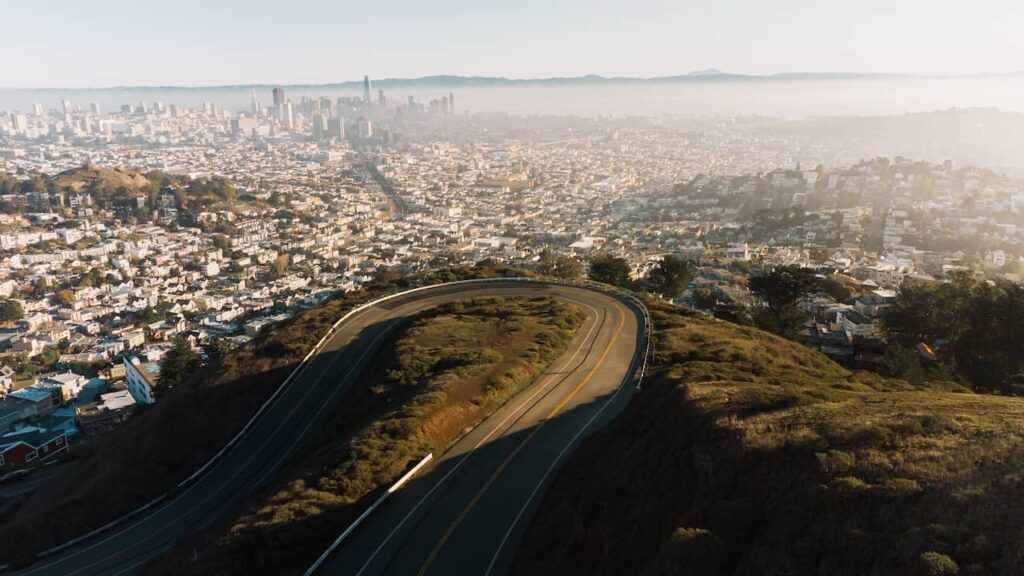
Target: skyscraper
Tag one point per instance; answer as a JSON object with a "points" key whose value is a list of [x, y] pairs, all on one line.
{"points": [[18, 121], [380, 98], [286, 115], [255, 104], [94, 107], [38, 108], [278, 96], [336, 128], [366, 90], [451, 102], [365, 128], [319, 122]]}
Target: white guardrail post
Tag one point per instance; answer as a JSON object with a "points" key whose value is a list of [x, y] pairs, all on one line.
{"points": [[337, 541], [304, 363]]}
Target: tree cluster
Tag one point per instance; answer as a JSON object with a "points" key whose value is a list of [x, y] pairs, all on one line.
{"points": [[179, 362], [558, 266], [974, 327], [11, 311], [780, 290], [669, 277]]}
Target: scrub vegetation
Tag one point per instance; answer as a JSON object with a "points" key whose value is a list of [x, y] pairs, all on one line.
{"points": [[750, 454], [162, 444], [445, 371]]}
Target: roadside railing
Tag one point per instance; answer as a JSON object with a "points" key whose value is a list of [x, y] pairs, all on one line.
{"points": [[351, 527], [647, 331], [303, 364]]}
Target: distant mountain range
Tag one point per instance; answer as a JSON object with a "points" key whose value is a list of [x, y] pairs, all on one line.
{"points": [[453, 81]]}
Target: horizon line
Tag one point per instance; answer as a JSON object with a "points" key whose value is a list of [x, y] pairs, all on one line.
{"points": [[710, 74]]}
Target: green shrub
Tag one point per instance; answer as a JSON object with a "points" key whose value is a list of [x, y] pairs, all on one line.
{"points": [[849, 485], [901, 487], [689, 552], [933, 563]]}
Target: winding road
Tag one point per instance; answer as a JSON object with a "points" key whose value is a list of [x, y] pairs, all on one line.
{"points": [[464, 514]]}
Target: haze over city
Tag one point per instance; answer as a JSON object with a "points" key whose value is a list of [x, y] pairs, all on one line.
{"points": [[692, 288], [192, 43]]}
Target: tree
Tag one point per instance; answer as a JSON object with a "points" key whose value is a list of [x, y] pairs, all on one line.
{"points": [[933, 563], [386, 275], [218, 348], [222, 242], [65, 297], [280, 266], [780, 290], [903, 363], [559, 266], [180, 361], [704, 298], [146, 316], [988, 349], [689, 551], [974, 326], [40, 288], [671, 276], [926, 313], [609, 269], [11, 311], [839, 291]]}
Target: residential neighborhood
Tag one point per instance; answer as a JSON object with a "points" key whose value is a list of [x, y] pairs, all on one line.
{"points": [[125, 232]]}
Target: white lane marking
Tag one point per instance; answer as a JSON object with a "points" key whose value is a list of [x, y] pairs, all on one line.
{"points": [[167, 505], [388, 327], [221, 487], [551, 468], [133, 566], [462, 459]]}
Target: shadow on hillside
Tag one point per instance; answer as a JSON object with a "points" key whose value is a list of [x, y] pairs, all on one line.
{"points": [[161, 445], [290, 547]]}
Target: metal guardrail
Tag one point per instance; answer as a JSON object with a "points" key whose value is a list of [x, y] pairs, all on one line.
{"points": [[648, 327], [215, 459], [366, 513]]}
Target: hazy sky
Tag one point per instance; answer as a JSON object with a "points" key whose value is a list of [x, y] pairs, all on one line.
{"points": [[76, 43]]}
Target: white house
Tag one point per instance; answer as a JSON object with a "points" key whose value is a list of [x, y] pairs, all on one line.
{"points": [[70, 384], [141, 378]]}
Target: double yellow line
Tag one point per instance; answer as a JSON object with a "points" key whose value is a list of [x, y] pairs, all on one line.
{"points": [[479, 494]]}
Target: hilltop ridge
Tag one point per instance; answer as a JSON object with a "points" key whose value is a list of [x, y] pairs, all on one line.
{"points": [[748, 454], [84, 177]]}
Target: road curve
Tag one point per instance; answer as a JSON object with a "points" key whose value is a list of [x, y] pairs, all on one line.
{"points": [[466, 515], [467, 511]]}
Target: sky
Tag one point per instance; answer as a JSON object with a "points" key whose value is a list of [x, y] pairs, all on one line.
{"points": [[101, 43]]}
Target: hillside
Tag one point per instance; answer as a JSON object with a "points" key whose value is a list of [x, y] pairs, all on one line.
{"points": [[115, 473], [748, 454], [447, 370], [86, 178]]}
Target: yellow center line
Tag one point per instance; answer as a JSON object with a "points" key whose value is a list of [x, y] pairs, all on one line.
{"points": [[476, 497]]}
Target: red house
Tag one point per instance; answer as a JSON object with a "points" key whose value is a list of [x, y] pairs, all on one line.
{"points": [[31, 445]]}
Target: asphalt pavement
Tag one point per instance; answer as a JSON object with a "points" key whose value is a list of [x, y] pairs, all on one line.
{"points": [[465, 514]]}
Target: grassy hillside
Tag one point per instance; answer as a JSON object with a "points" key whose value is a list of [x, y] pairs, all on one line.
{"points": [[164, 443], [747, 454], [97, 177], [446, 371]]}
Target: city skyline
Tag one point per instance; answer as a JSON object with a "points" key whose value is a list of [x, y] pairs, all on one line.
{"points": [[230, 44]]}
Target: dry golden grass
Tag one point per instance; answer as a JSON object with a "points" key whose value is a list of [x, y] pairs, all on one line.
{"points": [[161, 445], [447, 370], [789, 462]]}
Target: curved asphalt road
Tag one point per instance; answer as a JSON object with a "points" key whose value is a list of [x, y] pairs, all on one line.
{"points": [[466, 513]]}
